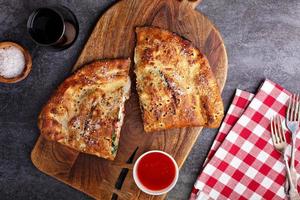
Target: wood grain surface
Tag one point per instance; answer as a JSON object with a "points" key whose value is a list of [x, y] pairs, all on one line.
{"points": [[114, 37]]}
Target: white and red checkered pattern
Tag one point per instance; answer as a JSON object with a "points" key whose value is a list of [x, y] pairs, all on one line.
{"points": [[246, 165], [236, 109], [239, 103]]}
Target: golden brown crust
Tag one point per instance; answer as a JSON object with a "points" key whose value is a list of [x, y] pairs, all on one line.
{"points": [[175, 83], [85, 112]]}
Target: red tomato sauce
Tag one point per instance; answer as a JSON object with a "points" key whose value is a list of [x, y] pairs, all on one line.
{"points": [[156, 171]]}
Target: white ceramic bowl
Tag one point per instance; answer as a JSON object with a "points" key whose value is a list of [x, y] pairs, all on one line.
{"points": [[154, 192]]}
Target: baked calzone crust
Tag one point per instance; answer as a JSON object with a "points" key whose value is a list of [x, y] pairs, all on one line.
{"points": [[87, 110], [175, 84]]}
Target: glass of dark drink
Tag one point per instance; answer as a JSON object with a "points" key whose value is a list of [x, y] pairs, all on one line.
{"points": [[54, 27]]}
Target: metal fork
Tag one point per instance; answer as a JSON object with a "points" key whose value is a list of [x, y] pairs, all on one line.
{"points": [[280, 144], [292, 123]]}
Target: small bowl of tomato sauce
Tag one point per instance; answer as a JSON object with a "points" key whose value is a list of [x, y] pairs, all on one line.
{"points": [[155, 172]]}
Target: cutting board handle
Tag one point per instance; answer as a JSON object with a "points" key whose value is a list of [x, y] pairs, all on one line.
{"points": [[192, 3]]}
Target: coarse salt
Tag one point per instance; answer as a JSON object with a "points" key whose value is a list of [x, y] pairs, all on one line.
{"points": [[12, 62]]}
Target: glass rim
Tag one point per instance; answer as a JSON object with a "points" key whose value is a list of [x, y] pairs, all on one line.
{"points": [[31, 20]]}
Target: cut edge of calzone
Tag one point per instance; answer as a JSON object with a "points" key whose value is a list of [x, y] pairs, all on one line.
{"points": [[87, 110], [175, 83]]}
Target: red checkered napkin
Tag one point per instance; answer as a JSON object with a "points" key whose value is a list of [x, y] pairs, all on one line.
{"points": [[246, 165], [240, 102]]}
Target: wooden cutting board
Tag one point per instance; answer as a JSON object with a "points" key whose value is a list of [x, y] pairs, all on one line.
{"points": [[114, 37]]}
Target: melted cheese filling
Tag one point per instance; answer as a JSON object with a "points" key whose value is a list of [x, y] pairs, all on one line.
{"points": [[126, 90]]}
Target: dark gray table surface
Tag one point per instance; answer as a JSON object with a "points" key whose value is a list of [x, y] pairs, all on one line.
{"points": [[262, 40]]}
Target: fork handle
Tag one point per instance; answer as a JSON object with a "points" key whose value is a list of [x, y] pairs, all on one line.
{"points": [[293, 193], [294, 175], [292, 163]]}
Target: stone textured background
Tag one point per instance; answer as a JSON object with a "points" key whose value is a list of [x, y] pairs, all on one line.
{"points": [[262, 40]]}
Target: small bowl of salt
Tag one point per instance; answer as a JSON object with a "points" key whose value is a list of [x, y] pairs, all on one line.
{"points": [[15, 62]]}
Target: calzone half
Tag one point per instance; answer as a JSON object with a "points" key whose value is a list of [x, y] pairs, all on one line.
{"points": [[175, 83], [87, 110]]}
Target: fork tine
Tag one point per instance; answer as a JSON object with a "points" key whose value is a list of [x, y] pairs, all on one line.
{"points": [[298, 110], [273, 131], [280, 132], [292, 108], [283, 133], [277, 133], [289, 108], [296, 107]]}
